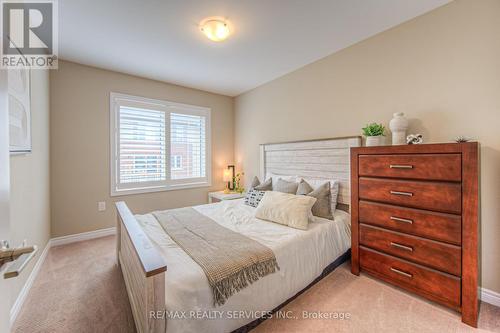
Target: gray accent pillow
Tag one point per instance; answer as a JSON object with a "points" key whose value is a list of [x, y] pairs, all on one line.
{"points": [[304, 188], [322, 207], [265, 186], [255, 182], [334, 189], [253, 197], [285, 186]]}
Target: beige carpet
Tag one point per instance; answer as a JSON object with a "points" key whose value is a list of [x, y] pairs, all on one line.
{"points": [[80, 289]]}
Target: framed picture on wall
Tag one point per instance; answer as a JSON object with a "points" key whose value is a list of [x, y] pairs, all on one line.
{"points": [[19, 110]]}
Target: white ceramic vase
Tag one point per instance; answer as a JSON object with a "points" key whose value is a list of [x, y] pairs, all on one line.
{"points": [[373, 141], [398, 126]]}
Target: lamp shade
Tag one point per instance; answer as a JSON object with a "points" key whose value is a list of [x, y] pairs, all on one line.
{"points": [[227, 175]]}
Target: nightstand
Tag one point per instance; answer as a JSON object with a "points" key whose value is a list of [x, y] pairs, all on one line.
{"points": [[220, 195]]}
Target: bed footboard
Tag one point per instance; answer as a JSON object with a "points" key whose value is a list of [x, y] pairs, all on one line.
{"points": [[143, 270]]}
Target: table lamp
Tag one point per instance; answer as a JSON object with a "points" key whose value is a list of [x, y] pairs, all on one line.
{"points": [[227, 176]]}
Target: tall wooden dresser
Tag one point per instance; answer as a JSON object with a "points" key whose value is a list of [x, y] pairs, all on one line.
{"points": [[415, 220]]}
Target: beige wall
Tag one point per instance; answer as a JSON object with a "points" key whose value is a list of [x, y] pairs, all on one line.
{"points": [[29, 178], [79, 144], [442, 69]]}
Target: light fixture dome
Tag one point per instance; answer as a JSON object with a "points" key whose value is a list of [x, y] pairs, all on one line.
{"points": [[216, 30]]}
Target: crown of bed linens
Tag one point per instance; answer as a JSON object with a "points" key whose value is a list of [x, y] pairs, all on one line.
{"points": [[284, 208]]}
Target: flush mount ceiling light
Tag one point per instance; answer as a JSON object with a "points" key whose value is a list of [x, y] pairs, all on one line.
{"points": [[216, 30]]}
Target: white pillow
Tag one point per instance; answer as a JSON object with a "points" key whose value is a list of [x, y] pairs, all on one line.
{"points": [[334, 189], [275, 178], [284, 208]]}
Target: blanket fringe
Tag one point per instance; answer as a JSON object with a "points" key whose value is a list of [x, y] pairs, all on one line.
{"points": [[225, 288]]}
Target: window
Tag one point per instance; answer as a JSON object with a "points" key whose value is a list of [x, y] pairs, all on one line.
{"points": [[176, 162], [158, 145]]}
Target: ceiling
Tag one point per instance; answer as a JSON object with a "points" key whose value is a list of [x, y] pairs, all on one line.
{"points": [[161, 40]]}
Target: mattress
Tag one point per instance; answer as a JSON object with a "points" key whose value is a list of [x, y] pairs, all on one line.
{"points": [[301, 255]]}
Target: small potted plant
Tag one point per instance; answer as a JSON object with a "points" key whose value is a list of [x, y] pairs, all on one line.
{"points": [[237, 183], [375, 134]]}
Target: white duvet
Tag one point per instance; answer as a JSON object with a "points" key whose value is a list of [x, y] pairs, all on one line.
{"points": [[301, 255]]}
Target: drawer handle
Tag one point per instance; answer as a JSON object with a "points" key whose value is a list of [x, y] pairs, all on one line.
{"points": [[395, 270], [402, 247], [407, 194], [400, 219], [399, 166]]}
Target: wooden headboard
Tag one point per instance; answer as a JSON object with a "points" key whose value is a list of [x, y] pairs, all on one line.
{"points": [[319, 159]]}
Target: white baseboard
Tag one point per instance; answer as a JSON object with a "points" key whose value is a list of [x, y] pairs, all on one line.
{"points": [[83, 236], [16, 307], [490, 296]]}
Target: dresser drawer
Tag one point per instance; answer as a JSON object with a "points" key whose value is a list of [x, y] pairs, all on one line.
{"points": [[433, 225], [424, 281], [444, 197], [441, 256], [417, 166]]}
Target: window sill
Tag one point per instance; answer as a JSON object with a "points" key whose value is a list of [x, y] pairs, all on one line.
{"points": [[124, 192]]}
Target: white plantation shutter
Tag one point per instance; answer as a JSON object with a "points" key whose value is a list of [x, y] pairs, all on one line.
{"points": [[157, 145], [188, 140], [142, 145]]}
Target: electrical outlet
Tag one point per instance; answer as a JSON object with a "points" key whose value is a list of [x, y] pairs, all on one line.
{"points": [[101, 206]]}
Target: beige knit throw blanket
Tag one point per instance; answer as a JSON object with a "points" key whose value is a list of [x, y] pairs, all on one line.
{"points": [[231, 261]]}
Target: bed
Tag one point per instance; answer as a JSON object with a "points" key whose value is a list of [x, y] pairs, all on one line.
{"points": [[169, 292]]}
